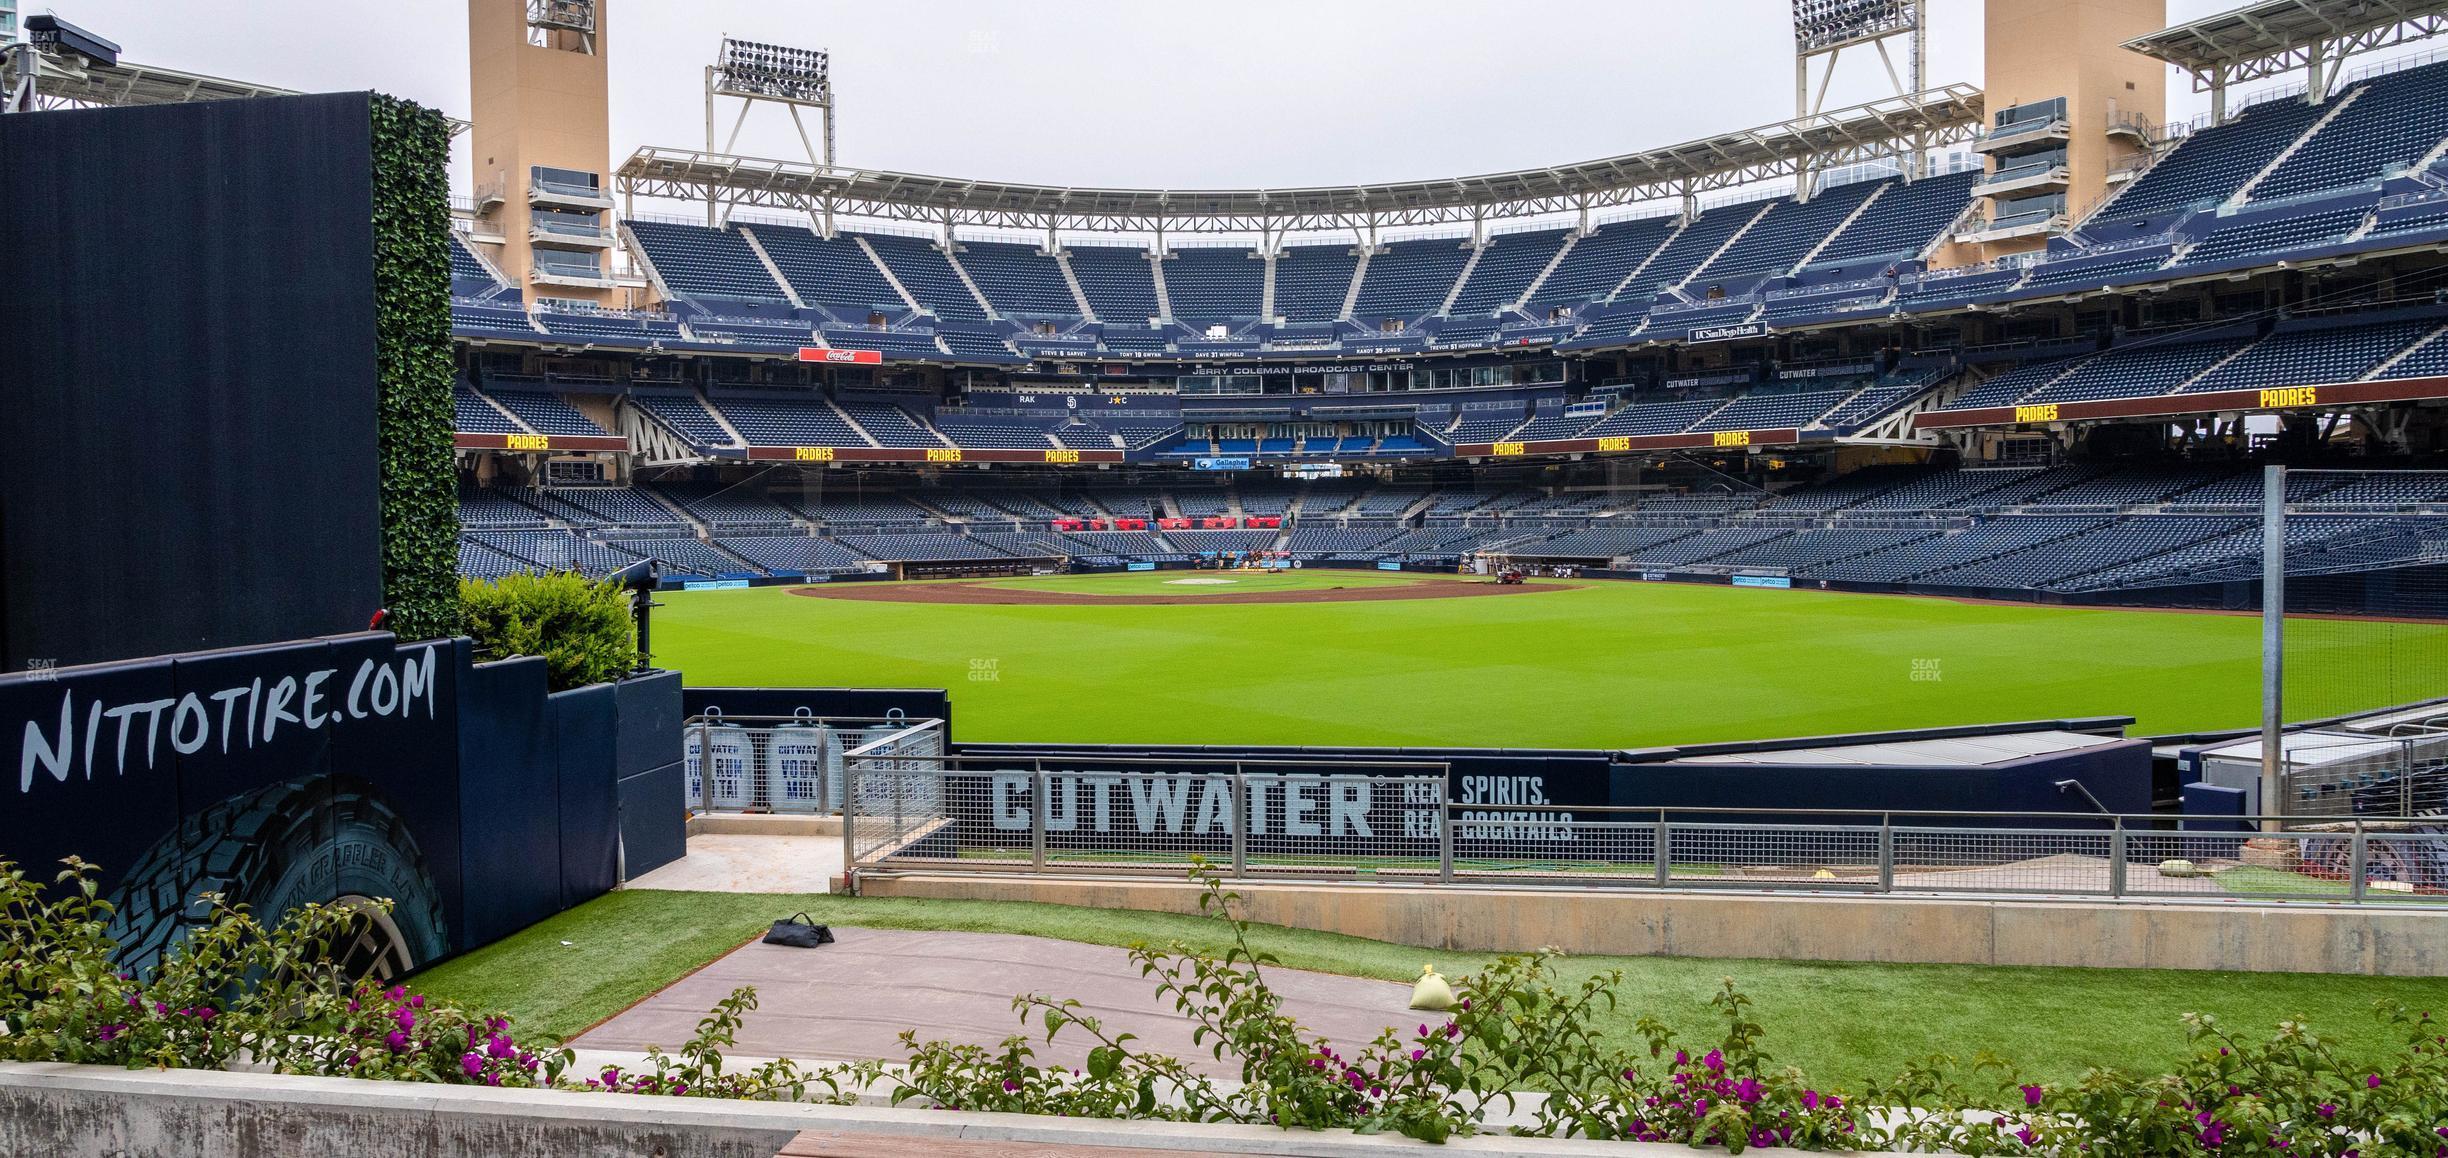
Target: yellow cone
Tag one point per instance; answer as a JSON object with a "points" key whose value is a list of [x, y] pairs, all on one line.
{"points": [[1432, 993]]}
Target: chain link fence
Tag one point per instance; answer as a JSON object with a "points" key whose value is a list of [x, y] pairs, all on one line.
{"points": [[2365, 589]]}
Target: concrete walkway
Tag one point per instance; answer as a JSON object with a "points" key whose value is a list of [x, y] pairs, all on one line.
{"points": [[743, 863], [851, 1000], [753, 853]]}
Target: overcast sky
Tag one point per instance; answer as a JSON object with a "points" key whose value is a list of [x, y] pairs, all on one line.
{"points": [[1123, 92]]}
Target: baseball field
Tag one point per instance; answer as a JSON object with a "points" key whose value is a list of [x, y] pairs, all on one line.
{"points": [[1363, 657]]}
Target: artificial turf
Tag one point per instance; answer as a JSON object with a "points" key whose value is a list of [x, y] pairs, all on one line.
{"points": [[1842, 1021], [1607, 664]]}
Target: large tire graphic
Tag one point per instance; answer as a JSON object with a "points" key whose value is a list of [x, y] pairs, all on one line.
{"points": [[2417, 857], [318, 839]]}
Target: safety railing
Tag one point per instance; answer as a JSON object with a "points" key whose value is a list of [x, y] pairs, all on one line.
{"points": [[1289, 817], [1337, 821]]}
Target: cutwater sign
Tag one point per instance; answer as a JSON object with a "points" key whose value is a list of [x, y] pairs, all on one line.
{"points": [[1192, 812]]}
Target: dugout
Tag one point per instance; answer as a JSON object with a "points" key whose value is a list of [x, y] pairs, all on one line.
{"points": [[2050, 766]]}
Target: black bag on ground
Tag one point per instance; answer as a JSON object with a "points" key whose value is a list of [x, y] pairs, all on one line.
{"points": [[799, 932]]}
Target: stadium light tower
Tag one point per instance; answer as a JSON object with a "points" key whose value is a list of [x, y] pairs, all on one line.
{"points": [[1824, 29], [795, 78]]}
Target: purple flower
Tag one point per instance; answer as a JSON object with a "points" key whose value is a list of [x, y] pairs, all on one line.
{"points": [[2327, 1109], [1418, 1054], [2372, 1081], [2031, 1095], [1010, 1086], [1715, 1061], [2026, 1137], [472, 1063], [109, 1032], [499, 1046], [397, 1039], [1810, 1099], [2215, 1135], [406, 1018]]}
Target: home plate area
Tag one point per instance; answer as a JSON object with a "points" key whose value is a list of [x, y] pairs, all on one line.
{"points": [[850, 1000]]}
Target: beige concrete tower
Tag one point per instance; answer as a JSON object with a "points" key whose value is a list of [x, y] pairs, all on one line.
{"points": [[542, 143], [2070, 112]]}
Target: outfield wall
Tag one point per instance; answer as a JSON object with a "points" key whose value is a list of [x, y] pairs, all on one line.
{"points": [[2116, 772], [1817, 927]]}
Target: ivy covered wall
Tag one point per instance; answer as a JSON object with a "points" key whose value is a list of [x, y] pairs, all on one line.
{"points": [[420, 515]]}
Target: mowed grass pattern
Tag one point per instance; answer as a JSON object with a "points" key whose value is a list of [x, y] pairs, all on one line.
{"points": [[1607, 664]]}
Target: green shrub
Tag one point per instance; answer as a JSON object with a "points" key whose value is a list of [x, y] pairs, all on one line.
{"points": [[580, 626]]}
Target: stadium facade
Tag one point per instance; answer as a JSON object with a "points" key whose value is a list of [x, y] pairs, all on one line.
{"points": [[2030, 340]]}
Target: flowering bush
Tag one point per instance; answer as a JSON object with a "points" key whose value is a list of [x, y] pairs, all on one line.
{"points": [[1530, 1035], [237, 991], [1288, 1077], [2290, 1095], [234, 990]]}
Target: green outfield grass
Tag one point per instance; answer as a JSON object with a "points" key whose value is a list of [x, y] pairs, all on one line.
{"points": [[1847, 1021], [1608, 664]]}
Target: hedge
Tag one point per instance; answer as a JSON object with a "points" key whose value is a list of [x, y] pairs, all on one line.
{"points": [[420, 516]]}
